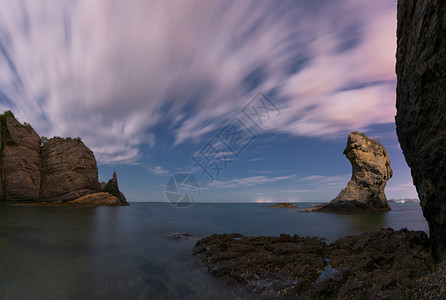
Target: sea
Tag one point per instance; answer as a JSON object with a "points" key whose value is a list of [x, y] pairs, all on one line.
{"points": [[138, 252]]}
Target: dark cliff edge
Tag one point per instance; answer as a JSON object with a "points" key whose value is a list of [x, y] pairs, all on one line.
{"points": [[57, 171], [421, 107]]}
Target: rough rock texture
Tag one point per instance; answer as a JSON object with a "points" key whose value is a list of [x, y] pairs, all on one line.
{"points": [[97, 199], [20, 166], [376, 265], [421, 107], [370, 172], [68, 170], [112, 188]]}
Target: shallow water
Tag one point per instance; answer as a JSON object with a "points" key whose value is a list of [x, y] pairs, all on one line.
{"points": [[127, 252]]}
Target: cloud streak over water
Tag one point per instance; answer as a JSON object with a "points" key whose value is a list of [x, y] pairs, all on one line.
{"points": [[112, 71]]}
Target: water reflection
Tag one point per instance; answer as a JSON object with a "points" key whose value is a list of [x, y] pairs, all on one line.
{"points": [[367, 221]]}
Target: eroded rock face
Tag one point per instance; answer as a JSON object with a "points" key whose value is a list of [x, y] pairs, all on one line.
{"points": [[370, 172], [68, 170], [421, 107], [20, 167]]}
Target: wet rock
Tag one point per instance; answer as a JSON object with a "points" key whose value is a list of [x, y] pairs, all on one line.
{"points": [[370, 172], [377, 265], [181, 236], [97, 199], [421, 107]]}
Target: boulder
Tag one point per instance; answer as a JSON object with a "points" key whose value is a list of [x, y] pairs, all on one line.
{"points": [[112, 188], [68, 170], [421, 107], [370, 172], [20, 164]]}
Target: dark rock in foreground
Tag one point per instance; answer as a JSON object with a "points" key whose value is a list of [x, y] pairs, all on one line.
{"points": [[370, 172], [421, 107], [284, 204], [376, 265]]}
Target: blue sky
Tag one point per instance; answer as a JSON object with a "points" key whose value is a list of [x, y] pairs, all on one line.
{"points": [[148, 84]]}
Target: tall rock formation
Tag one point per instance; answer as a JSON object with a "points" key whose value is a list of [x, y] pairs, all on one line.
{"points": [[68, 170], [20, 166], [61, 170], [421, 107], [112, 188], [370, 172]]}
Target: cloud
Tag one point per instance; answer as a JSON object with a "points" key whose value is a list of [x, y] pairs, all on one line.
{"points": [[318, 182], [111, 71], [247, 181], [158, 170]]}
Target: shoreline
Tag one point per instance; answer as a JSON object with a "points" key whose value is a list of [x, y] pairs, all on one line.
{"points": [[385, 264]]}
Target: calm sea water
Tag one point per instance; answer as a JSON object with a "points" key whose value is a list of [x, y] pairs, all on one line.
{"points": [[127, 252]]}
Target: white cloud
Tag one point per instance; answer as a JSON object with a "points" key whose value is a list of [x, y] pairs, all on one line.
{"points": [[247, 181], [110, 71], [158, 170]]}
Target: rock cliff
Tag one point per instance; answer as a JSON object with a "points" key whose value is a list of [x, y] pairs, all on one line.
{"points": [[421, 107], [61, 170], [370, 172], [68, 170], [20, 167]]}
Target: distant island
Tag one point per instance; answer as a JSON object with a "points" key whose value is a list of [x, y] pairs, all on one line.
{"points": [[284, 204], [56, 171], [406, 200]]}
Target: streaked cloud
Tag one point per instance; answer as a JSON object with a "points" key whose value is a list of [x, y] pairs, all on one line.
{"points": [[247, 181], [112, 71], [158, 170]]}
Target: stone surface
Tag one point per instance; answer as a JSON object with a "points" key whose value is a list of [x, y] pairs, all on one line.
{"points": [[370, 172], [112, 188], [421, 107], [376, 265], [68, 170], [20, 167]]}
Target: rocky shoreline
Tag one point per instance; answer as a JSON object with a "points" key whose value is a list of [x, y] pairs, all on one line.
{"points": [[376, 265]]}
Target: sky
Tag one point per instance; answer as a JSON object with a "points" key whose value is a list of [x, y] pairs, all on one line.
{"points": [[154, 88]]}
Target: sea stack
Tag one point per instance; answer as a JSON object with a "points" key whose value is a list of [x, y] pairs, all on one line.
{"points": [[370, 172], [421, 107]]}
